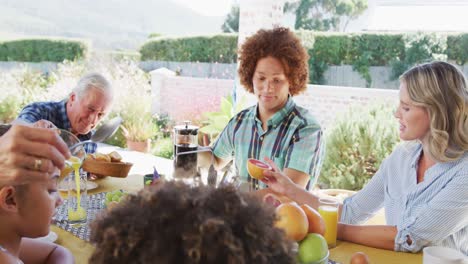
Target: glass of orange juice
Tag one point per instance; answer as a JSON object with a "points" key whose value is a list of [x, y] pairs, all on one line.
{"points": [[76, 180], [328, 209]]}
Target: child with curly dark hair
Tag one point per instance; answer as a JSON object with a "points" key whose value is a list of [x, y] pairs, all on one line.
{"points": [[274, 67], [176, 223]]}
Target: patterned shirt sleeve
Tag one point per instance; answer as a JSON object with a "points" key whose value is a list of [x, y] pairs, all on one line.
{"points": [[441, 217], [301, 151], [32, 113], [224, 147]]}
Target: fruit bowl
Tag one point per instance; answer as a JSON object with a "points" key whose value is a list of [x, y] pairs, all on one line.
{"points": [[322, 261], [104, 168]]}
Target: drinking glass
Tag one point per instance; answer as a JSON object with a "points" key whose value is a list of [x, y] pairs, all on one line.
{"points": [[328, 209], [77, 198]]}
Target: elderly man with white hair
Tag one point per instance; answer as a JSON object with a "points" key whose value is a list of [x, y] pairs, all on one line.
{"points": [[86, 105]]}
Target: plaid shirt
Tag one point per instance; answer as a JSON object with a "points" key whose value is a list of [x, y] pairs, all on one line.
{"points": [[55, 112], [290, 140]]}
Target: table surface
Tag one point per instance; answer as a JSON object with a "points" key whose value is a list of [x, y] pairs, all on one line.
{"points": [[82, 250]]}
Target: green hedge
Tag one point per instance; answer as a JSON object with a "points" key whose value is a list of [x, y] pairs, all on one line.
{"points": [[457, 48], [37, 50], [219, 48], [361, 50]]}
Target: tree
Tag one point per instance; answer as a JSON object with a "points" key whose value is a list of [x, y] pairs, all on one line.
{"points": [[325, 15], [231, 24]]}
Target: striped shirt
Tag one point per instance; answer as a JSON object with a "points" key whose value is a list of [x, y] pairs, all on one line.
{"points": [[55, 112], [290, 139], [432, 212]]}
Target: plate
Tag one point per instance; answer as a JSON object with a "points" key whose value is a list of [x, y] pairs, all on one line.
{"points": [[51, 237], [89, 185]]}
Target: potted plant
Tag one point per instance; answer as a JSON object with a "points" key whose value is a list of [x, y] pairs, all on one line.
{"points": [[137, 126]]}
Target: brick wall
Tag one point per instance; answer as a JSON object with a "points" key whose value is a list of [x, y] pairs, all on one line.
{"points": [[186, 98]]}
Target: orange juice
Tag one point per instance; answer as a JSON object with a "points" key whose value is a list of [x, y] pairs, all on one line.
{"points": [[330, 217], [80, 212]]}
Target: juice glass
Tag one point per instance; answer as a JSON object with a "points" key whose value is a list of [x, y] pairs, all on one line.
{"points": [[328, 209], [75, 180]]}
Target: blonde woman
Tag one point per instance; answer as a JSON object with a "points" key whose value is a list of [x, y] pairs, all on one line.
{"points": [[423, 185]]}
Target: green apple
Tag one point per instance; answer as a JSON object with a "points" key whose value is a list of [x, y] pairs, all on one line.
{"points": [[312, 248]]}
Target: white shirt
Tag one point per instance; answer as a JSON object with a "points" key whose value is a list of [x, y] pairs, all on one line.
{"points": [[433, 212]]}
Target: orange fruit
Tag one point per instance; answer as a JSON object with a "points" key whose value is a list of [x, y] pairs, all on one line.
{"points": [[256, 167], [316, 223], [293, 220], [359, 258]]}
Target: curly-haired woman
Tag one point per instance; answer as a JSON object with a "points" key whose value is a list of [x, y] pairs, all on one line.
{"points": [[423, 185], [176, 223], [273, 66]]}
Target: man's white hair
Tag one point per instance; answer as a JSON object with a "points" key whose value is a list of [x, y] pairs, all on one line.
{"points": [[93, 81]]}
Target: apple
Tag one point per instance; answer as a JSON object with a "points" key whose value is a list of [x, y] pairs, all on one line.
{"points": [[312, 248], [293, 220], [256, 167]]}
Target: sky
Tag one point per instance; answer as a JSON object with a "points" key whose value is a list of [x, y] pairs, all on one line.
{"points": [[208, 7]]}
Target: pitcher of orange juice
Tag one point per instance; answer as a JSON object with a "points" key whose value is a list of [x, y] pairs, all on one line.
{"points": [[328, 209]]}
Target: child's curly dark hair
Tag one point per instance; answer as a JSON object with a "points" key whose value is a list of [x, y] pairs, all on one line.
{"points": [[180, 224], [281, 44]]}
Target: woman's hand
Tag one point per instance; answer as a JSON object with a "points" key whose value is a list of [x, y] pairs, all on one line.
{"points": [[29, 154], [276, 180], [44, 124]]}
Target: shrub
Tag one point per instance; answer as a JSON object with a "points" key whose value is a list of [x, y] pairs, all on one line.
{"points": [[164, 148], [37, 50], [419, 48], [218, 48], [457, 48], [356, 146]]}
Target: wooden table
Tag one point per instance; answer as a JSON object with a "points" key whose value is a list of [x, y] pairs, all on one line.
{"points": [[82, 250]]}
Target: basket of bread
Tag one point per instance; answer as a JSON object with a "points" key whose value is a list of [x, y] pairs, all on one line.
{"points": [[106, 165]]}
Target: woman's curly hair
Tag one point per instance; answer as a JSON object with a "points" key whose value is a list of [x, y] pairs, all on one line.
{"points": [[177, 223], [281, 44]]}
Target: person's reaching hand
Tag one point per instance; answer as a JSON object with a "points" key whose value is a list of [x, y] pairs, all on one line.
{"points": [[276, 180], [29, 154]]}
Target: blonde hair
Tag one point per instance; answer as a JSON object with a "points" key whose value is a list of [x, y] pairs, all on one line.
{"points": [[441, 89]]}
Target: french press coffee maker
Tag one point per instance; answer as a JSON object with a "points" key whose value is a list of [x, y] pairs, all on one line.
{"points": [[185, 140], [186, 151]]}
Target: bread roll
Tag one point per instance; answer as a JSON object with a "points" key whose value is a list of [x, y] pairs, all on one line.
{"points": [[115, 157], [102, 157]]}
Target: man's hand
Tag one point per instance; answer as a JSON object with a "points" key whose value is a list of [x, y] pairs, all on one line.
{"points": [[29, 154]]}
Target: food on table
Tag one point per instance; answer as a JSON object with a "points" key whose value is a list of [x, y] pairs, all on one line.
{"points": [[256, 167], [115, 156], [359, 258], [114, 197], [293, 220], [316, 223], [102, 157], [272, 199], [313, 248]]}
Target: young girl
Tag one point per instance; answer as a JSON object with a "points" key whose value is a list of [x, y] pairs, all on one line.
{"points": [[25, 212]]}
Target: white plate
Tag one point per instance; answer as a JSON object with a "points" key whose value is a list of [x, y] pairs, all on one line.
{"points": [[89, 185], [51, 237]]}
